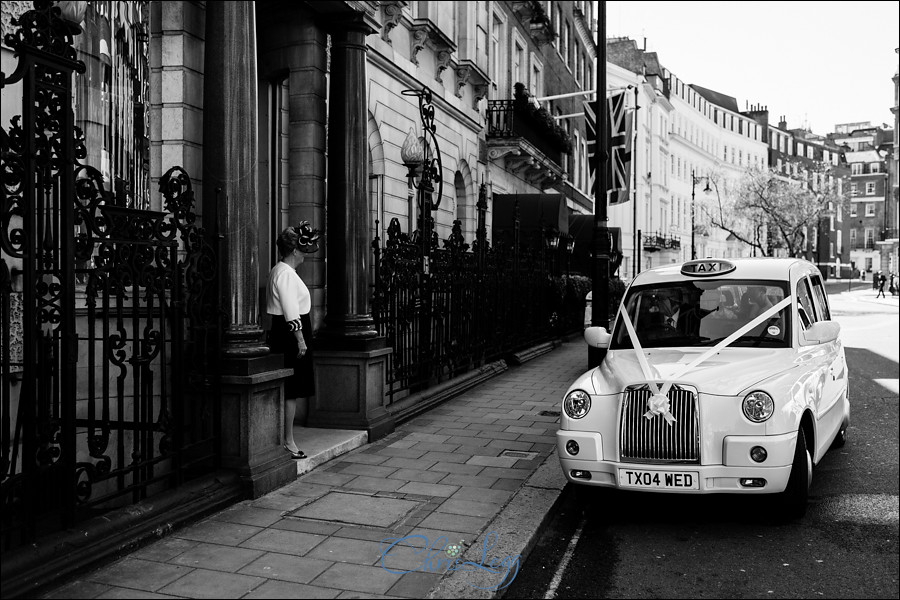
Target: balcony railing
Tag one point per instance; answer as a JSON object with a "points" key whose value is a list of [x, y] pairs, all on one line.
{"points": [[862, 245], [654, 242], [507, 120]]}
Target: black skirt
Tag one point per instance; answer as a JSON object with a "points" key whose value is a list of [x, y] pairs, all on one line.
{"points": [[281, 340]]}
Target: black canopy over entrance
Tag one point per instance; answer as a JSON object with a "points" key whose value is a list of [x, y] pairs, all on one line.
{"points": [[537, 212]]}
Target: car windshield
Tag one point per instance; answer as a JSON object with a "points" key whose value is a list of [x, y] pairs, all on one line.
{"points": [[703, 313]]}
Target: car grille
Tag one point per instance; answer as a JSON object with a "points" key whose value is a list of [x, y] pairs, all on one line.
{"points": [[654, 440]]}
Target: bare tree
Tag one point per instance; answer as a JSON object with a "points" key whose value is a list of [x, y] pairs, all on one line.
{"points": [[725, 212], [782, 209]]}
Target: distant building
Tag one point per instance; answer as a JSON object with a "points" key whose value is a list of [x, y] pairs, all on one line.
{"points": [[685, 135], [890, 258], [817, 163], [867, 151]]}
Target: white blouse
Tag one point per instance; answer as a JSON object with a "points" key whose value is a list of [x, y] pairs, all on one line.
{"points": [[287, 295]]}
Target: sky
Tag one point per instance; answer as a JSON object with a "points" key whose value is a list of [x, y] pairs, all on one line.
{"points": [[816, 63]]}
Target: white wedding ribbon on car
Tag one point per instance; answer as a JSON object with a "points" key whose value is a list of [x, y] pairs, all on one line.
{"points": [[659, 400]]}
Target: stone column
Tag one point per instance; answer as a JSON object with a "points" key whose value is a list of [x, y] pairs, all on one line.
{"points": [[252, 385], [230, 167], [349, 252], [350, 355]]}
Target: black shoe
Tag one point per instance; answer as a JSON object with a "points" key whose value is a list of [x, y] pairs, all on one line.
{"points": [[298, 455]]}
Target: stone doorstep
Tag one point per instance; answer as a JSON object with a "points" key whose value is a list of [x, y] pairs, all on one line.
{"points": [[322, 445]]}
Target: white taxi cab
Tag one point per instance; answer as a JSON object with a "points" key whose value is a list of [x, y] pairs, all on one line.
{"points": [[721, 376]]}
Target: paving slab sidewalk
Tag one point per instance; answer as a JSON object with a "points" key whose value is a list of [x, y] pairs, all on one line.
{"points": [[441, 507]]}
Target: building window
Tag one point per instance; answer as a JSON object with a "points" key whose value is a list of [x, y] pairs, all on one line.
{"points": [[537, 78], [518, 63], [853, 209], [870, 210], [870, 188], [874, 168], [557, 23], [856, 169], [870, 238], [112, 97], [854, 191], [496, 53]]}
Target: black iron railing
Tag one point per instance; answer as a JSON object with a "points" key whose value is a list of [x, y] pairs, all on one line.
{"points": [[472, 307], [658, 241], [110, 319], [509, 119]]}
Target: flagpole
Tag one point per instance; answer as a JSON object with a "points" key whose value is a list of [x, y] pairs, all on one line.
{"points": [[634, 235], [601, 241]]}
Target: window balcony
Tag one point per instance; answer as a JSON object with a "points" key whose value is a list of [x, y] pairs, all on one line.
{"points": [[655, 242], [528, 141]]}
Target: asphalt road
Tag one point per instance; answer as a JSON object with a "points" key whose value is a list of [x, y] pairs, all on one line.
{"points": [[632, 545]]}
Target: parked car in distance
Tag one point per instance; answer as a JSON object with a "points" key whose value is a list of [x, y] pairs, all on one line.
{"points": [[720, 376]]}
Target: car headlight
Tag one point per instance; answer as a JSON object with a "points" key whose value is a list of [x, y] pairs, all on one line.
{"points": [[577, 404], [758, 406]]}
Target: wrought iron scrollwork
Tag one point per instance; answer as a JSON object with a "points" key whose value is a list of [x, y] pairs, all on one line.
{"points": [[44, 29]]}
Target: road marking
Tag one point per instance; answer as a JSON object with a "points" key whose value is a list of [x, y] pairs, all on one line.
{"points": [[567, 556], [891, 385], [880, 509]]}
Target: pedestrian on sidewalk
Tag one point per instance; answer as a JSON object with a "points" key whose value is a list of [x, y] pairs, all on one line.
{"points": [[288, 302], [892, 288], [881, 281], [875, 279]]}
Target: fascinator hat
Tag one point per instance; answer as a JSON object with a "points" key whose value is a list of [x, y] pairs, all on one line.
{"points": [[307, 237]]}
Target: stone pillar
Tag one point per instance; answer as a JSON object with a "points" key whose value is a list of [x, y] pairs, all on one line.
{"points": [[350, 355], [230, 167], [349, 251], [252, 389]]}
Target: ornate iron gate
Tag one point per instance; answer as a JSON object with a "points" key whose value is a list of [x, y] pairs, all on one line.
{"points": [[109, 315]]}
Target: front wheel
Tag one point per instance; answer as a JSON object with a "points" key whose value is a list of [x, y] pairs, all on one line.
{"points": [[840, 440], [794, 498]]}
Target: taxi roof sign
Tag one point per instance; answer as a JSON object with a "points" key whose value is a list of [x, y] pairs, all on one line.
{"points": [[707, 267]]}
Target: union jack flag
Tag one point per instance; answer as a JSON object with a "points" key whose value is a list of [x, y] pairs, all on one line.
{"points": [[619, 146], [620, 142]]}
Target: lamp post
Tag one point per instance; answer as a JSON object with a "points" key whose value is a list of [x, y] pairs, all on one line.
{"points": [[694, 179], [422, 157], [570, 248]]}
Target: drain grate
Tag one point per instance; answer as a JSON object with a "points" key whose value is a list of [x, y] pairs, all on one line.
{"points": [[549, 413], [518, 454]]}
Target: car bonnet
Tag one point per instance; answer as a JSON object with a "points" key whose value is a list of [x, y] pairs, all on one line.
{"points": [[727, 373]]}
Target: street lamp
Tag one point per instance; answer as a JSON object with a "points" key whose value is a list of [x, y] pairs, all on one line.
{"points": [[694, 179], [422, 157]]}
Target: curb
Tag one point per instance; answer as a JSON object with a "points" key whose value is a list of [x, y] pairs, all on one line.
{"points": [[517, 527]]}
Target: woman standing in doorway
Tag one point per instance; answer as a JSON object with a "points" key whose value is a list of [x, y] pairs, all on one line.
{"points": [[288, 302]]}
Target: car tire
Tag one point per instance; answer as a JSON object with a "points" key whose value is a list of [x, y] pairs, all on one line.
{"points": [[841, 438], [794, 498]]}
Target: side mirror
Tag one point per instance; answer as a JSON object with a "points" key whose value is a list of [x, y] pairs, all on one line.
{"points": [[822, 332], [597, 337]]}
